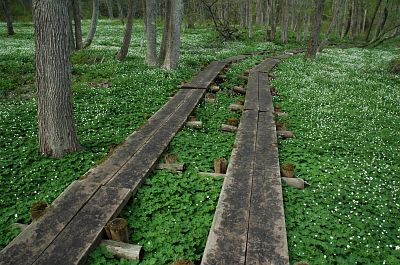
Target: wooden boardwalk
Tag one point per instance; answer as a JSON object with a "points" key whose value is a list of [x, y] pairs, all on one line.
{"points": [[249, 222], [74, 223]]}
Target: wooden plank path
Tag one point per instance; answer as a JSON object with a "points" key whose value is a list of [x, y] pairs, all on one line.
{"points": [[249, 222], [73, 224]]}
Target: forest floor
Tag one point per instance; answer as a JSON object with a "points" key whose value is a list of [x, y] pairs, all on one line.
{"points": [[343, 107]]}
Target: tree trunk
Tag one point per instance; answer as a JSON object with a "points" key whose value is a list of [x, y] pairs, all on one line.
{"points": [[339, 6], [299, 22], [285, 20], [316, 29], [110, 9], [93, 24], [259, 8], [191, 14], [249, 19], [383, 19], [8, 16], [294, 4], [343, 29], [165, 37], [378, 4], [151, 32], [128, 33], [273, 16], [57, 133], [76, 5], [121, 14], [353, 20], [174, 31]]}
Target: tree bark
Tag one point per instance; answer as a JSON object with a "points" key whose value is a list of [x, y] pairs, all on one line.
{"points": [[378, 4], [191, 14], [121, 14], [151, 32], [110, 9], [57, 133], [273, 16], [249, 19], [316, 29], [165, 37], [285, 20], [128, 33], [8, 16], [174, 36], [259, 8], [324, 42], [93, 24], [76, 5], [383, 19]]}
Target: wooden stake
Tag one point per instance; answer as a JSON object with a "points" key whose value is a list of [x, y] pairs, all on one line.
{"points": [[220, 165], [285, 134], [170, 158], [117, 230], [123, 250], [194, 124], [287, 170], [172, 167], [236, 107], [38, 209], [228, 128], [239, 89], [210, 100]]}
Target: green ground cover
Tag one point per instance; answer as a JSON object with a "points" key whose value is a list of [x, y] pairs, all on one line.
{"points": [[345, 111]]}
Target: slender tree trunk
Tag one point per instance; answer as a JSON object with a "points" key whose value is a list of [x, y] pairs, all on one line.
{"points": [[8, 16], [285, 20], [307, 21], [294, 4], [378, 4], [93, 24], [316, 29], [173, 48], [353, 20], [128, 33], [57, 133], [191, 14], [382, 23], [76, 5], [344, 21], [249, 19], [324, 42], [299, 22], [165, 37], [364, 19], [121, 12], [151, 32], [259, 8], [110, 9], [273, 20]]}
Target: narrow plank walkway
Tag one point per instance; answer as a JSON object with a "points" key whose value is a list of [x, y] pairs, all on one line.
{"points": [[74, 222], [249, 222]]}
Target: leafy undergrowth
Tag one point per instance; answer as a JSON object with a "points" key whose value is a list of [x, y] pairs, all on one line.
{"points": [[344, 110], [172, 213], [111, 99]]}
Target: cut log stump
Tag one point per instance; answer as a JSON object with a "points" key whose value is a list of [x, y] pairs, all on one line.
{"points": [[236, 107], [194, 124], [117, 230], [220, 165], [172, 167], [123, 250], [239, 89], [228, 128], [285, 134], [295, 182]]}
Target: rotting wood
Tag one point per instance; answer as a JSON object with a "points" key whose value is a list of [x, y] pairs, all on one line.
{"points": [[220, 165], [215, 89], [239, 90], [117, 230], [295, 182], [285, 134], [236, 107], [123, 250], [194, 124], [213, 175], [252, 98], [172, 167], [228, 128], [170, 158]]}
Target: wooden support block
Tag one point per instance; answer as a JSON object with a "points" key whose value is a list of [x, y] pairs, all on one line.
{"points": [[287, 170], [239, 89], [243, 77], [117, 230], [213, 175], [285, 134], [281, 114], [246, 73], [215, 89], [194, 124], [192, 118], [295, 182], [210, 100], [172, 167], [220, 165], [123, 250], [228, 128], [233, 121], [236, 107], [183, 262], [38, 209]]}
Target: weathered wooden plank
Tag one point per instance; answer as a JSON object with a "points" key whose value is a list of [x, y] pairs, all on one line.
{"points": [[235, 58], [264, 93], [86, 228], [251, 99], [30, 244], [267, 242], [227, 239], [134, 171], [266, 66], [103, 172], [207, 76]]}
